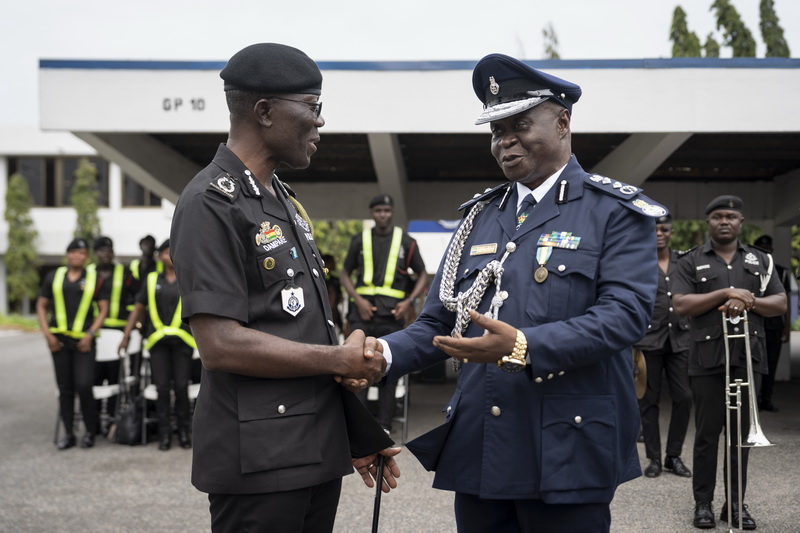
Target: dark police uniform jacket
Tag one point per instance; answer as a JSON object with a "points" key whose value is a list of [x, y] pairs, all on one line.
{"points": [[565, 429], [702, 271], [666, 326], [236, 247]]}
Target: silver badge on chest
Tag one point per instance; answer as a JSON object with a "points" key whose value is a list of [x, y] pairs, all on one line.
{"points": [[292, 298]]}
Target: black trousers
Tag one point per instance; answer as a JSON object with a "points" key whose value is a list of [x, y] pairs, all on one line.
{"points": [[476, 515], [107, 372], [710, 416], [308, 510], [387, 402], [75, 373], [774, 346], [171, 364], [675, 366]]}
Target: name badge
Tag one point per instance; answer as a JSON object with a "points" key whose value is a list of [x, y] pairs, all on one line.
{"points": [[483, 249]]}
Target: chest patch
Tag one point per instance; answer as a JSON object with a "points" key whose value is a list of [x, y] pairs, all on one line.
{"points": [[270, 237], [751, 259]]}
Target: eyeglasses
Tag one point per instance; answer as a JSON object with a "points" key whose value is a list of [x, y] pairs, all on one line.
{"points": [[316, 106]]}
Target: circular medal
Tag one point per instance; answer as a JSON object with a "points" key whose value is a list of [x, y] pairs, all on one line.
{"points": [[540, 275]]}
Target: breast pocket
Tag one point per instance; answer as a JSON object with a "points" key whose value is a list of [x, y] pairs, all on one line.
{"points": [[703, 281], [279, 271], [277, 424], [578, 442], [569, 289]]}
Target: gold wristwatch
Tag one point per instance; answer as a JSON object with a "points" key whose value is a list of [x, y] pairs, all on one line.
{"points": [[515, 362]]}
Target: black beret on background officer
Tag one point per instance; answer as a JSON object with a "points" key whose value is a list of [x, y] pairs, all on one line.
{"points": [[270, 433], [543, 425], [665, 349], [723, 275], [68, 295]]}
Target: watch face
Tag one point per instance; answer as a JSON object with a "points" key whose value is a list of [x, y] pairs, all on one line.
{"points": [[511, 365]]}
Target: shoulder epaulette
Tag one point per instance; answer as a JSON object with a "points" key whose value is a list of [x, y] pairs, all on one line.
{"points": [[681, 253], [226, 185], [612, 187], [488, 194], [629, 195]]}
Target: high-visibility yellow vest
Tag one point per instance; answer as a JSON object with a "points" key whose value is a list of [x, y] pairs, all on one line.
{"points": [[77, 331], [369, 288], [117, 280], [134, 266], [160, 330]]}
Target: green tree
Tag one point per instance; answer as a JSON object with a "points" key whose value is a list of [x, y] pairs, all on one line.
{"points": [[84, 197], [21, 258], [736, 34], [684, 42], [771, 31], [711, 47], [333, 237], [550, 42]]}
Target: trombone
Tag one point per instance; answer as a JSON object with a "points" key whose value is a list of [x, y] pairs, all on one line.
{"points": [[755, 436]]}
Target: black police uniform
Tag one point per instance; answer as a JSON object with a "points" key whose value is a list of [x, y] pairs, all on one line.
{"points": [[75, 370], [703, 271], [236, 249], [665, 347], [383, 322], [122, 295], [774, 327], [170, 357]]}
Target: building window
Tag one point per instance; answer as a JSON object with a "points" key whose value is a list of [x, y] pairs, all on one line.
{"points": [[70, 165], [39, 173], [134, 195]]}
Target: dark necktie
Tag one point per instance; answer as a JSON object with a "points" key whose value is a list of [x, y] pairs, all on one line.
{"points": [[525, 209]]}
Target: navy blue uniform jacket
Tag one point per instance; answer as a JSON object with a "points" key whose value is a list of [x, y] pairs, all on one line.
{"points": [[565, 429]]}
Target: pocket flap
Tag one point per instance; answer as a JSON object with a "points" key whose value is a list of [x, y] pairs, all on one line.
{"points": [[565, 262], [577, 411], [258, 400]]}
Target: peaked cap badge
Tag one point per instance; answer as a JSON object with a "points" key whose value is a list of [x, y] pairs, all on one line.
{"points": [[494, 88]]}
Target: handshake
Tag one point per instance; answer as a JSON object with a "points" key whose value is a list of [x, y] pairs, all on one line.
{"points": [[362, 362]]}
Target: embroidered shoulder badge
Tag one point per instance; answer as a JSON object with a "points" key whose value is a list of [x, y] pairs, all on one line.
{"points": [[649, 209], [225, 185]]}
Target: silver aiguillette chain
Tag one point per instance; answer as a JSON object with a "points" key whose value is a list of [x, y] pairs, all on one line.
{"points": [[471, 298]]}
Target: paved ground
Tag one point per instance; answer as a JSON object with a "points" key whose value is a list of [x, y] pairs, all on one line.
{"points": [[114, 488]]}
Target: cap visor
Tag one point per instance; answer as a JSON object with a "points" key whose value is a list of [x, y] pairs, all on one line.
{"points": [[506, 109]]}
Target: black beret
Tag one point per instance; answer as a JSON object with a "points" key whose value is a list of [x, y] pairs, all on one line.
{"points": [[77, 244], [102, 241], [666, 219], [507, 86], [164, 246], [763, 240], [381, 199], [272, 68], [726, 201]]}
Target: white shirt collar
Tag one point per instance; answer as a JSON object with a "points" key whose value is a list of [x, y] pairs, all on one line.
{"points": [[541, 190]]}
